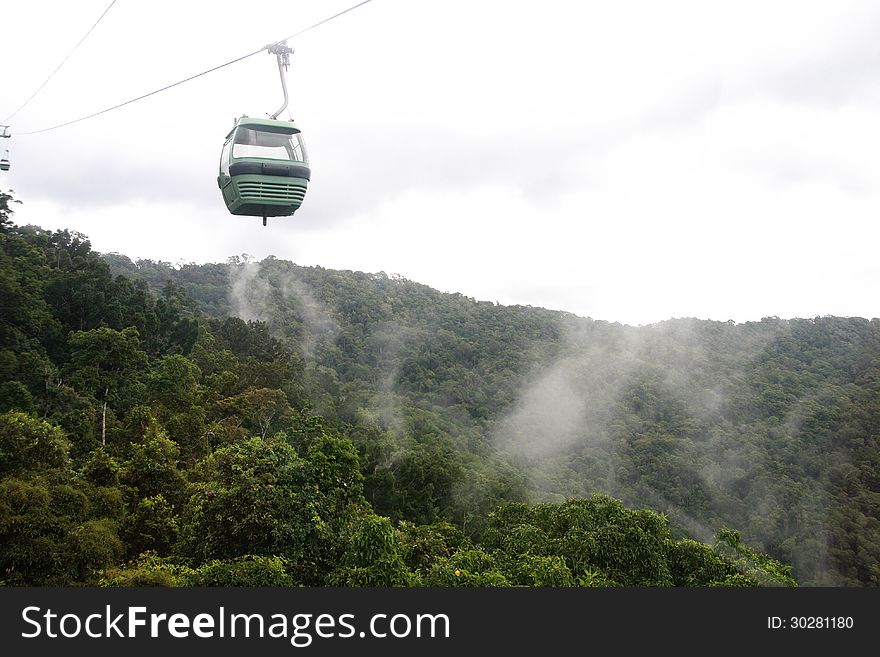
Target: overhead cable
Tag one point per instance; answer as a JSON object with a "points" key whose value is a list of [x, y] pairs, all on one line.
{"points": [[58, 68], [193, 77]]}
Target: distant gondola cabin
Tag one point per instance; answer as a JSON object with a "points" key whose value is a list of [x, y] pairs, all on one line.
{"points": [[264, 168]]}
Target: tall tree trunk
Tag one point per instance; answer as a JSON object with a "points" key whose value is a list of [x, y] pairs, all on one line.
{"points": [[104, 419]]}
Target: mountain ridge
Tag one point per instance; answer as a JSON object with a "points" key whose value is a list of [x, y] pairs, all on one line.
{"points": [[728, 402]]}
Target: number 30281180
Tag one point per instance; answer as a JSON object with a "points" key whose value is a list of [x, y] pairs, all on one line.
{"points": [[810, 623]]}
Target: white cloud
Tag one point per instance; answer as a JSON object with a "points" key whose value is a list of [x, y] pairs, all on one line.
{"points": [[630, 161]]}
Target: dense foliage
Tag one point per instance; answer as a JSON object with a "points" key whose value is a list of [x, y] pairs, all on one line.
{"points": [[771, 427], [268, 424]]}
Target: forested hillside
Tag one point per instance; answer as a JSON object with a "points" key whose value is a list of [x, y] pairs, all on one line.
{"points": [[771, 427], [268, 424]]}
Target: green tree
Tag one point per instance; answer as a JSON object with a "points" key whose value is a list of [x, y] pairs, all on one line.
{"points": [[151, 526], [372, 556], [151, 468], [6, 211], [247, 570], [261, 410], [47, 537], [422, 545], [467, 567], [173, 384], [250, 499], [91, 547], [763, 569], [15, 396], [106, 364], [174, 390], [30, 445]]}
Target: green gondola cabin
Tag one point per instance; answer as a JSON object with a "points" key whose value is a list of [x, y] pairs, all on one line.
{"points": [[264, 168]]}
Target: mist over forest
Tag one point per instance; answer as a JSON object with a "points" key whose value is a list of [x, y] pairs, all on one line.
{"points": [[769, 427], [272, 424]]}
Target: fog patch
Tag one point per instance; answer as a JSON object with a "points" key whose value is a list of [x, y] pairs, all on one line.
{"points": [[318, 325], [549, 417], [270, 291], [249, 294]]}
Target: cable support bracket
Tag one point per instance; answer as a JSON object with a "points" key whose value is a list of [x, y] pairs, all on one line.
{"points": [[282, 51]]}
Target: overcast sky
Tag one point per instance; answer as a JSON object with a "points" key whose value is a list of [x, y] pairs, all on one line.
{"points": [[629, 161]]}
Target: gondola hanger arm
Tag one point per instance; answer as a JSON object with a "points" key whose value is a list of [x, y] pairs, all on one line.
{"points": [[282, 52]]}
